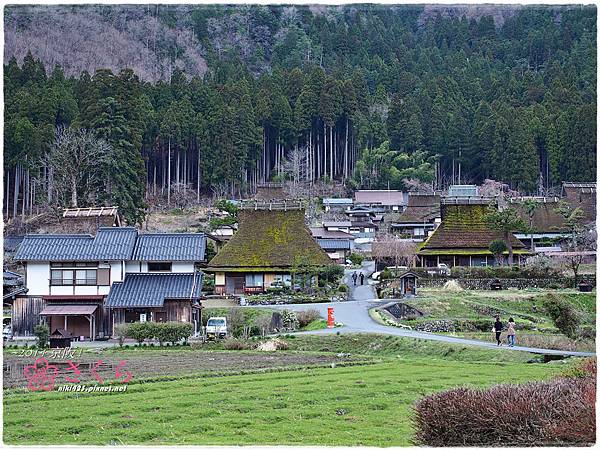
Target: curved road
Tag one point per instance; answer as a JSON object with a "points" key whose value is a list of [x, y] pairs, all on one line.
{"points": [[355, 317]]}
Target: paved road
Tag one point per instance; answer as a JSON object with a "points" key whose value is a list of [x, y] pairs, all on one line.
{"points": [[355, 317]]}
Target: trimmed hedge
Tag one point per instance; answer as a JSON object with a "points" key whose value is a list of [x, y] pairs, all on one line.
{"points": [[557, 412], [161, 331]]}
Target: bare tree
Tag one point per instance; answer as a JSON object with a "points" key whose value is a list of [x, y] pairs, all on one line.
{"points": [[400, 251], [220, 190], [416, 185], [77, 159]]}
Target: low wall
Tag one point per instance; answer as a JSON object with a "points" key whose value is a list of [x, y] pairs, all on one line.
{"points": [[518, 283]]}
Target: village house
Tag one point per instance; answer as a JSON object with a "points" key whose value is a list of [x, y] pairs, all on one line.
{"points": [[337, 204], [548, 227], [381, 200], [419, 219], [271, 242], [337, 244], [581, 195], [463, 237], [340, 225], [87, 284]]}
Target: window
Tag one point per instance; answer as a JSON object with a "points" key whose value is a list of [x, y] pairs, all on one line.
{"points": [[254, 280], [285, 279], [159, 267], [68, 277]]}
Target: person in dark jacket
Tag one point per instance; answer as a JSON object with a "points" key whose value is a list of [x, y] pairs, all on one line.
{"points": [[362, 278], [354, 277], [498, 329]]}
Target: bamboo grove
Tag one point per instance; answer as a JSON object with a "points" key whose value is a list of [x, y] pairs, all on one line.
{"points": [[388, 99]]}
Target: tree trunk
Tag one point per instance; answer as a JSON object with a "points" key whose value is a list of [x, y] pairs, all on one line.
{"points": [[73, 192], [509, 247], [169, 175], [331, 168], [16, 190], [198, 178], [177, 179], [346, 162], [6, 194]]}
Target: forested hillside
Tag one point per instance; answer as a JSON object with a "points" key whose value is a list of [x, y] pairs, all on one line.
{"points": [[198, 98]]}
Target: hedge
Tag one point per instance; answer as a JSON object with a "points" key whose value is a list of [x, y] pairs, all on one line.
{"points": [[557, 412], [161, 331]]}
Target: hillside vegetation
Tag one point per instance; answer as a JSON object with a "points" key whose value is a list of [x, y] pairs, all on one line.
{"points": [[196, 100]]}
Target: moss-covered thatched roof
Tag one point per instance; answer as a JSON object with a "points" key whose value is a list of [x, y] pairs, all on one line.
{"points": [[464, 226], [270, 239]]}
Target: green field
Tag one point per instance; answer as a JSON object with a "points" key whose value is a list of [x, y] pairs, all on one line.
{"points": [[355, 405], [473, 312]]}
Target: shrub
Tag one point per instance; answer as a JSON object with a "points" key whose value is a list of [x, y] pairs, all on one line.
{"points": [[263, 324], [306, 317], [342, 288], [584, 369], [42, 333], [356, 258], [289, 320], [236, 322], [172, 332], [235, 344], [331, 274], [563, 314], [140, 331], [120, 332], [561, 411], [497, 247]]}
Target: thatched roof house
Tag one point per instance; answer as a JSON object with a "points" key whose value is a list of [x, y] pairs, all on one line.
{"points": [[269, 244], [463, 238]]}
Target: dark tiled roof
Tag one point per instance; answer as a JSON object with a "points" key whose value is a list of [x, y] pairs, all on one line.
{"points": [[334, 244], [152, 289], [170, 247], [268, 239], [464, 226], [11, 243], [110, 243]]}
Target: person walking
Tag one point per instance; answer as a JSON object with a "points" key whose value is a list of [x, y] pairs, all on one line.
{"points": [[354, 277], [511, 332], [362, 278], [498, 329]]}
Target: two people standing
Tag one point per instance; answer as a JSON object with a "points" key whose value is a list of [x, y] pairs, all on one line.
{"points": [[361, 276], [510, 329]]}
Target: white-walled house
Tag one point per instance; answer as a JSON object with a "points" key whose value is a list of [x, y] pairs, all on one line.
{"points": [[85, 283]]}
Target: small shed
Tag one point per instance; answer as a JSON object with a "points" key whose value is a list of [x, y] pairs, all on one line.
{"points": [[408, 283], [61, 338]]}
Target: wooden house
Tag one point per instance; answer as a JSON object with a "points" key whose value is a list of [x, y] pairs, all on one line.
{"points": [[419, 219], [463, 237], [269, 244], [71, 278]]}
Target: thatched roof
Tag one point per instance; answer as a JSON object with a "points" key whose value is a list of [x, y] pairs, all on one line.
{"points": [[421, 208], [464, 227], [544, 220], [269, 240]]}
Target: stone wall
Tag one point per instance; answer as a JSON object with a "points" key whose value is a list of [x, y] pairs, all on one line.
{"points": [[519, 283]]}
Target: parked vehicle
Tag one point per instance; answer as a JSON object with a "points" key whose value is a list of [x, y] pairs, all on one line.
{"points": [[7, 333], [441, 269], [216, 328]]}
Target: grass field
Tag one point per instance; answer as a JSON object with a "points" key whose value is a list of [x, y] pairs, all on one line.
{"points": [[355, 405], [526, 306]]}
